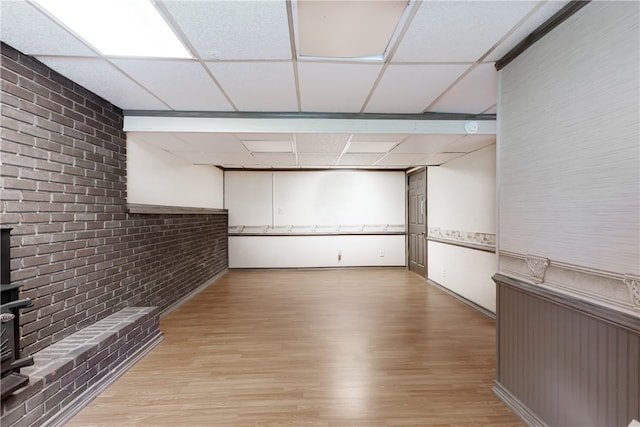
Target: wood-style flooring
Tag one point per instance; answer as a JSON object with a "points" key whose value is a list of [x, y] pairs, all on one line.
{"points": [[312, 348]]}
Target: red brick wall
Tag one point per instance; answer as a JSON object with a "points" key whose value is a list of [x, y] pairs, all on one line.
{"points": [[77, 252]]}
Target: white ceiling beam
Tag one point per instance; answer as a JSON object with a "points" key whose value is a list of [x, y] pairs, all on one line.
{"points": [[302, 125]]}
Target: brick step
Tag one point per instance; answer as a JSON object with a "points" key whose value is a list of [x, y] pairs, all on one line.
{"points": [[69, 373]]}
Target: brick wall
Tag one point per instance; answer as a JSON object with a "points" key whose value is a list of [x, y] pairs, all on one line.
{"points": [[77, 252]]}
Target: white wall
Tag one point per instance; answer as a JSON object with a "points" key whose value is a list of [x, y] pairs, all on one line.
{"points": [[155, 177], [316, 251], [569, 155], [461, 208], [315, 203]]}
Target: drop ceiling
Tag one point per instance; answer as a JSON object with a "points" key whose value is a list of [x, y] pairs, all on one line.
{"points": [[246, 61]]}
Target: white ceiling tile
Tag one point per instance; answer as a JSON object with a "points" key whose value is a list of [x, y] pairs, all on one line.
{"points": [[212, 142], [269, 146], [196, 91], [350, 159], [377, 137], [458, 31], [258, 86], [105, 80], [411, 88], [492, 110], [438, 159], [333, 87], [203, 158], [234, 29], [275, 159], [264, 136], [400, 160], [471, 143], [318, 159], [162, 140], [476, 92], [548, 9], [370, 147], [32, 32], [321, 142], [425, 144]]}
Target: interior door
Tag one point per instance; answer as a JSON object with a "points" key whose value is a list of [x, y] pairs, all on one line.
{"points": [[418, 222]]}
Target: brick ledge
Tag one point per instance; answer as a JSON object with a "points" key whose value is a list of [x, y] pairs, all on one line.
{"points": [[68, 370]]}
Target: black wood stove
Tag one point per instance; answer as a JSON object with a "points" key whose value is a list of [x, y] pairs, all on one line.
{"points": [[10, 378]]}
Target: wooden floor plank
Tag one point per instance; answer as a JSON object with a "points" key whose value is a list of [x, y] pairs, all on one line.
{"points": [[313, 348]]}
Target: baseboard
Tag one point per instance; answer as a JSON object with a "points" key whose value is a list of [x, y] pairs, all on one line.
{"points": [[516, 406], [355, 267], [72, 409], [192, 294], [463, 299]]}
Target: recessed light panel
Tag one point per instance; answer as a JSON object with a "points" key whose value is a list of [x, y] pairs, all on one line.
{"points": [[347, 29], [118, 27]]}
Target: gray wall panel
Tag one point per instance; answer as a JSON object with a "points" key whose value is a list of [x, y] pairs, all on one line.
{"points": [[564, 363]]}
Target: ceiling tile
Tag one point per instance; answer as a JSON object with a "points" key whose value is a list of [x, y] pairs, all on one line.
{"points": [[321, 142], [335, 87], [203, 158], [213, 142], [548, 9], [230, 30], [18, 19], [269, 146], [105, 80], [318, 159], [458, 31], [377, 137], [425, 144], [400, 160], [476, 92], [275, 159], [350, 159], [258, 86], [471, 143], [264, 136], [198, 92], [411, 88], [162, 140], [370, 147], [438, 159]]}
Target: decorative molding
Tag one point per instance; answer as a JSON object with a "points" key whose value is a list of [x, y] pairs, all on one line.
{"points": [[600, 287], [473, 237], [633, 282], [537, 268], [627, 319], [316, 230], [475, 246]]}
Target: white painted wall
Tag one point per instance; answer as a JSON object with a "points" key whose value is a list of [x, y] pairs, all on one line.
{"points": [[156, 177], [316, 251], [465, 271], [314, 201], [461, 197], [462, 193]]}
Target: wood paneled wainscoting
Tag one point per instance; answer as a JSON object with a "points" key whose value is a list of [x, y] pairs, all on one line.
{"points": [[313, 348], [563, 361]]}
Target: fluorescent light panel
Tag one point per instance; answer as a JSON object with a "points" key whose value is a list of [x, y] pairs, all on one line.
{"points": [[118, 27], [347, 29]]}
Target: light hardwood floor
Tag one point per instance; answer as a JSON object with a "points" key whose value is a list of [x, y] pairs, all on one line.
{"points": [[312, 348]]}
